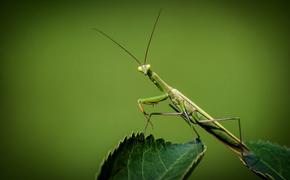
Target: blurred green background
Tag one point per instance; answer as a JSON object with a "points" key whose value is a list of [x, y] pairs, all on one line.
{"points": [[68, 95]]}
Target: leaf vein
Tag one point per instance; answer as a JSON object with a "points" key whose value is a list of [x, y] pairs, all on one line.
{"points": [[128, 162], [273, 169], [172, 165], [142, 162], [162, 162]]}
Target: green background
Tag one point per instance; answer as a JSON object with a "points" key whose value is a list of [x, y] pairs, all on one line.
{"points": [[68, 95]]}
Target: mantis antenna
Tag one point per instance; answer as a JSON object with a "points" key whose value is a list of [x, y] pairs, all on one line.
{"points": [[147, 49], [106, 35], [127, 51]]}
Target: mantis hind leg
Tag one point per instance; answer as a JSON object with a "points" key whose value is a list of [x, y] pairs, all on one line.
{"points": [[226, 119]]}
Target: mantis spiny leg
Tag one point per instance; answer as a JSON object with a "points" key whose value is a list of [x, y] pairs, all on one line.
{"points": [[150, 101]]}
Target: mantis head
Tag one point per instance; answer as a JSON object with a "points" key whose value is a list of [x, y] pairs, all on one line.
{"points": [[144, 68]]}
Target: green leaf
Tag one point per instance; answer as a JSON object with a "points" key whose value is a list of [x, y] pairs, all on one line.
{"points": [[268, 160], [138, 157]]}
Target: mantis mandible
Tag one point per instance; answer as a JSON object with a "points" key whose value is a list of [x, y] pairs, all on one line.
{"points": [[182, 105]]}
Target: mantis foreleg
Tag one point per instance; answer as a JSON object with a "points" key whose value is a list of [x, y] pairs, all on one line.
{"points": [[150, 101]]}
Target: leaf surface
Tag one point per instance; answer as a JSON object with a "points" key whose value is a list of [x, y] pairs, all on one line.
{"points": [[268, 160], [138, 157]]}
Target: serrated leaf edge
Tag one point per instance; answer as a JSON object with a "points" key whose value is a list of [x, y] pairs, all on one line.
{"points": [[266, 142], [260, 141], [150, 137], [111, 152]]}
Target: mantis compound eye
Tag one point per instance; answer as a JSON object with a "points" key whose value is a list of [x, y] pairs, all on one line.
{"points": [[144, 68]]}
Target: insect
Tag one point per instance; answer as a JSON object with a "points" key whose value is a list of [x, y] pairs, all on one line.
{"points": [[182, 105]]}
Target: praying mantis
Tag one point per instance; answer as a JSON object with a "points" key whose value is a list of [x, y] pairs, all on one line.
{"points": [[182, 106]]}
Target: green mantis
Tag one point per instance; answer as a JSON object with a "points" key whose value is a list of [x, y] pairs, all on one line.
{"points": [[181, 105]]}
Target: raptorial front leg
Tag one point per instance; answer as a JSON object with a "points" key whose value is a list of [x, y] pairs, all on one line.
{"points": [[150, 101]]}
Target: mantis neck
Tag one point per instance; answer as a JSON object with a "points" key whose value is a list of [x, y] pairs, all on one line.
{"points": [[162, 85]]}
